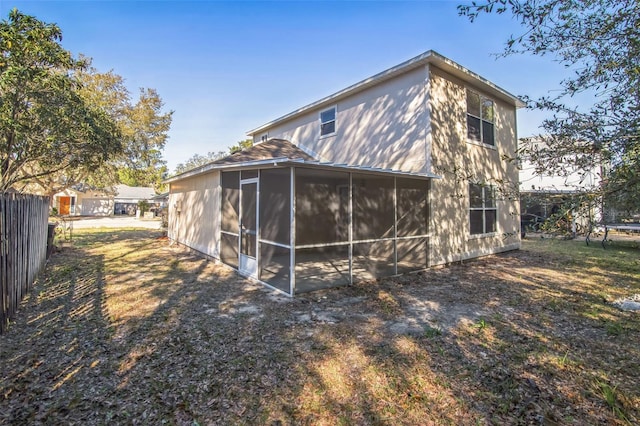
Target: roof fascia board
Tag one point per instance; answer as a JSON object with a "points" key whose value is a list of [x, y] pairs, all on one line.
{"points": [[298, 162], [471, 77], [214, 167], [429, 57]]}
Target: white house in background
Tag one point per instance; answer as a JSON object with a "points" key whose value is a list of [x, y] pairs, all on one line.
{"points": [[530, 181], [126, 198], [83, 201], [393, 174], [545, 194]]}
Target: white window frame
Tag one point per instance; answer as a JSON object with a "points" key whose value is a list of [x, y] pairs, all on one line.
{"points": [[482, 119], [484, 209], [335, 119]]}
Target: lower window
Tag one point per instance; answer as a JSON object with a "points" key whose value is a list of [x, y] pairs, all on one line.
{"points": [[482, 209]]}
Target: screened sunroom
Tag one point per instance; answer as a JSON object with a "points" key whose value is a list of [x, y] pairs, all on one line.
{"points": [[300, 225]]}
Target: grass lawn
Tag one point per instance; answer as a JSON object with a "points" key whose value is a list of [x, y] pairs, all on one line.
{"points": [[124, 329]]}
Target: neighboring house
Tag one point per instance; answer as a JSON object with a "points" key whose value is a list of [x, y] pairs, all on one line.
{"points": [[126, 198], [83, 201], [393, 174], [543, 195], [161, 201], [575, 181]]}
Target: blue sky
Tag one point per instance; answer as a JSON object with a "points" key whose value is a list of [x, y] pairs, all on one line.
{"points": [[227, 67]]}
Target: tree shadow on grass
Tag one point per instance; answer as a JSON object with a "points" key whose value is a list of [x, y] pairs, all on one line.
{"points": [[59, 337], [545, 342], [126, 329], [61, 359], [537, 348]]}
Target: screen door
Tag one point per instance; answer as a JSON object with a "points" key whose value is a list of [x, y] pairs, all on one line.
{"points": [[248, 228]]}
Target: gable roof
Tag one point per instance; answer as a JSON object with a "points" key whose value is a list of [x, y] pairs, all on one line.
{"points": [[134, 192], [264, 151], [273, 148], [429, 57], [280, 152]]}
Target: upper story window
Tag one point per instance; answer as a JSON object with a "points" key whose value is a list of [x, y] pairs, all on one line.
{"points": [[328, 121], [480, 118], [482, 209]]}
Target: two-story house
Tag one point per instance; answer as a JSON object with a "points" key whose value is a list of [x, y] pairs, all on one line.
{"points": [[401, 171]]}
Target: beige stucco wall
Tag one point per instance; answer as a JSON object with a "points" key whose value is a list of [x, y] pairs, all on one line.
{"points": [[459, 162], [382, 126], [194, 213], [413, 122]]}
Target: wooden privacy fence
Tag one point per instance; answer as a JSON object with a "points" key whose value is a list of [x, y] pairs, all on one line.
{"points": [[23, 248]]}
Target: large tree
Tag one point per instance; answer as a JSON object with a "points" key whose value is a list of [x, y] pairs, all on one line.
{"points": [[45, 124], [145, 133], [143, 127], [599, 41], [105, 92]]}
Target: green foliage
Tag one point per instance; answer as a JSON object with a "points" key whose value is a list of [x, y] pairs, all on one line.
{"points": [[612, 397], [143, 205], [480, 325], [143, 126], [558, 223], [145, 130], [564, 360], [614, 328], [63, 122], [599, 41], [244, 144], [107, 93], [432, 332], [46, 127]]}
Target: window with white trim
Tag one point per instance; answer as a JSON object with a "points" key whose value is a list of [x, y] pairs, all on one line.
{"points": [[482, 209], [480, 118], [328, 121]]}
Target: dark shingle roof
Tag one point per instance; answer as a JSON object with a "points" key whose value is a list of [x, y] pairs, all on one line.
{"points": [[280, 152], [273, 148], [264, 151]]}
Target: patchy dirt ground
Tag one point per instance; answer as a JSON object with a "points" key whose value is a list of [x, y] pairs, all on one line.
{"points": [[125, 329]]}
